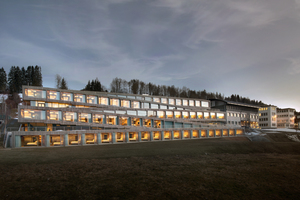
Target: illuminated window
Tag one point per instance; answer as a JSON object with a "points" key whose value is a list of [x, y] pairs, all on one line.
{"points": [[131, 112], [79, 98], [31, 140], [213, 115], [114, 102], [156, 135], [186, 134], [103, 100], [56, 140], [195, 134], [160, 114], [157, 124], [54, 115], [35, 93], [125, 104], [91, 99], [112, 120], [197, 103], [70, 116], [135, 104], [105, 138], [185, 115], [133, 136], [200, 115], [53, 95], [167, 135], [145, 136], [142, 113], [33, 114], [120, 137], [66, 96], [172, 101], [135, 122], [169, 114], [163, 107], [97, 118], [177, 114], [191, 103], [204, 104], [176, 135], [184, 102], [90, 138], [193, 115], [220, 116], [206, 115], [85, 117], [164, 100], [178, 102], [157, 100], [123, 121], [147, 122], [145, 105], [151, 113]]}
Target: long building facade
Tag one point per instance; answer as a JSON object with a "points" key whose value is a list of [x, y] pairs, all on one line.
{"points": [[53, 117]]}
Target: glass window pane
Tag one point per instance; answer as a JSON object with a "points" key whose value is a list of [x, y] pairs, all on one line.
{"points": [[145, 105], [169, 114], [79, 98], [35, 93], [91, 99], [154, 106], [163, 107], [66, 96], [33, 114], [164, 100], [114, 102], [53, 95], [204, 104], [84, 117], [200, 115], [54, 115], [172, 101], [131, 112], [142, 113], [112, 120], [103, 100], [193, 115], [177, 114], [191, 103], [151, 113], [178, 102], [97, 118], [206, 115], [125, 103], [185, 115], [70, 116], [161, 114], [184, 102], [197, 103], [155, 99], [135, 104]]}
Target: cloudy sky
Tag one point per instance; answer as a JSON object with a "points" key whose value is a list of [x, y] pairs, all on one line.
{"points": [[245, 47]]}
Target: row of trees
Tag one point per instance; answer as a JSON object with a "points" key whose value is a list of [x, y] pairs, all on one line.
{"points": [[136, 86], [20, 76], [94, 85]]}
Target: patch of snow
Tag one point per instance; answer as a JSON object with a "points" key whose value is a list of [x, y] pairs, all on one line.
{"points": [[293, 137], [281, 130], [252, 133], [3, 97]]}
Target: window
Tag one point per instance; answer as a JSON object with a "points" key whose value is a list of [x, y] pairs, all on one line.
{"points": [[91, 99], [164, 100], [154, 106], [160, 114], [97, 118], [142, 113], [172, 101], [213, 115], [35, 93], [135, 122], [197, 103], [200, 115], [206, 115], [220, 116], [84, 117], [70, 116], [147, 122], [169, 114], [163, 107], [66, 96], [191, 103], [185, 115], [114, 102], [103, 100], [79, 98], [33, 114], [125, 104], [157, 100], [54, 115], [184, 102], [135, 104], [145, 105], [177, 114], [151, 113], [204, 104], [112, 120], [131, 112], [53, 95], [124, 121], [193, 115], [178, 102]]}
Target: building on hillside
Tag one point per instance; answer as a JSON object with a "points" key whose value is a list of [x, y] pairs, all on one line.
{"points": [[285, 117], [237, 113], [297, 120], [268, 117], [54, 117]]}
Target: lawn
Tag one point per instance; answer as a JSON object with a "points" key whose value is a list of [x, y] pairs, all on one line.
{"points": [[224, 168]]}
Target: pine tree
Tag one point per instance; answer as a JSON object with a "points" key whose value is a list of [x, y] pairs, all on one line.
{"points": [[3, 80], [63, 84]]}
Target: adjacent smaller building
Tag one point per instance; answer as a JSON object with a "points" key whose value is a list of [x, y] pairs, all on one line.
{"points": [[237, 113], [285, 118], [268, 117]]}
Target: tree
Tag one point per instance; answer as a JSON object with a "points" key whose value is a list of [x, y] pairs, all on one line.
{"points": [[57, 81], [3, 80], [63, 84]]}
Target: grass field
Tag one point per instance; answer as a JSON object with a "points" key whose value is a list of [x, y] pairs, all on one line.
{"points": [[224, 168]]}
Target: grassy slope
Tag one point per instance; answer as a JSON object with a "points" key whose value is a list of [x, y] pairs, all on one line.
{"points": [[231, 168]]}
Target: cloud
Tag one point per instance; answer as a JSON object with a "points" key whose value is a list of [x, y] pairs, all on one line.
{"points": [[294, 66]]}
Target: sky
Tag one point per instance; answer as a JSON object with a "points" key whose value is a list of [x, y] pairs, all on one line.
{"points": [[245, 47]]}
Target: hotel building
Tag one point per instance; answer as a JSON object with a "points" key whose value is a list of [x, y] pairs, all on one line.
{"points": [[268, 117], [54, 117], [285, 117], [237, 114]]}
